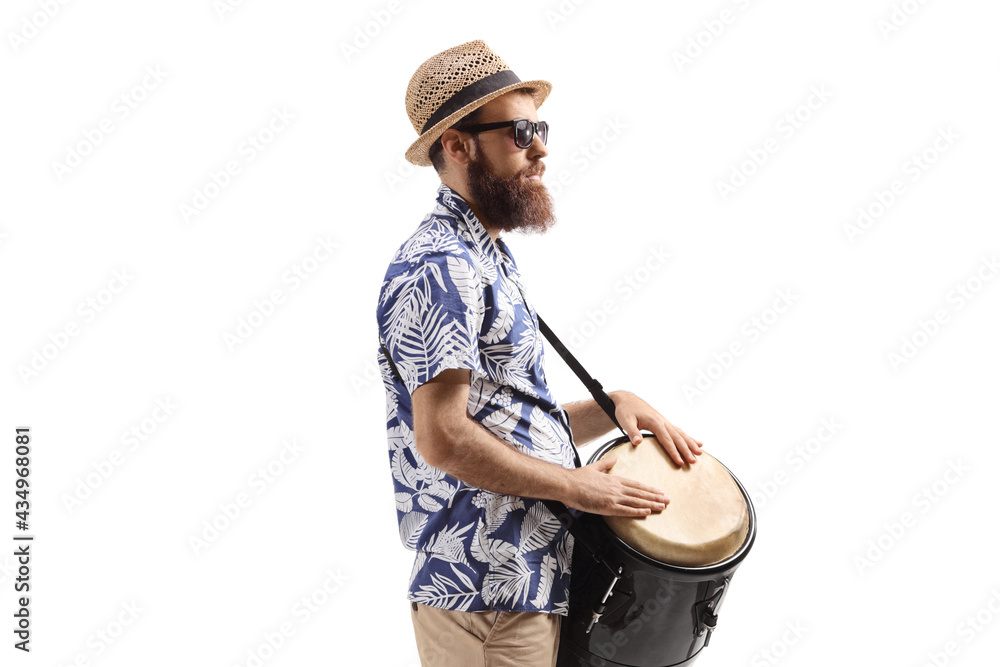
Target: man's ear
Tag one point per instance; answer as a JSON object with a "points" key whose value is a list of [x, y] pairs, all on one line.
{"points": [[457, 147]]}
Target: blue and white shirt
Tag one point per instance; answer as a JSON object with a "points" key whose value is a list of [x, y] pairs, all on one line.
{"points": [[453, 298]]}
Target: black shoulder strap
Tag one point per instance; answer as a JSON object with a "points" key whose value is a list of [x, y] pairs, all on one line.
{"points": [[592, 385], [568, 518]]}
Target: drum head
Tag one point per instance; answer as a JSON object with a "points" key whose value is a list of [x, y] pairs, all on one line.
{"points": [[706, 520]]}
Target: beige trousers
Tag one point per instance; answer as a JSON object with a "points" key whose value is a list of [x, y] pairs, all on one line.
{"points": [[485, 638]]}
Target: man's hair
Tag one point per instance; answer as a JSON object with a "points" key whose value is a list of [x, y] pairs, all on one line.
{"points": [[436, 151]]}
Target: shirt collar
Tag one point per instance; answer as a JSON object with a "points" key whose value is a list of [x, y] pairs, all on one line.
{"points": [[469, 225]]}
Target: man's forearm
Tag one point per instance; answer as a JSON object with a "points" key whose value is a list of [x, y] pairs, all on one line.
{"points": [[481, 459], [588, 420]]}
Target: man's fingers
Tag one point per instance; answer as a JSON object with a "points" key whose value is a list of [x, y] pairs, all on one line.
{"points": [[694, 445], [667, 442], [631, 428], [632, 511], [605, 464], [675, 445], [643, 501], [683, 446], [640, 490]]}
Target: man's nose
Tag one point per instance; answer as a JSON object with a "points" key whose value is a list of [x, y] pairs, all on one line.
{"points": [[537, 147]]}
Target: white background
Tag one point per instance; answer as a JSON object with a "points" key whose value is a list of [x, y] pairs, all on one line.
{"points": [[833, 556]]}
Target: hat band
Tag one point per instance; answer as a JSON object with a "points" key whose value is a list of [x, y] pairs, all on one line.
{"points": [[471, 93]]}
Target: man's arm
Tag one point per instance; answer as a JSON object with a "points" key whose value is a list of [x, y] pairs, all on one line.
{"points": [[588, 421], [447, 438]]}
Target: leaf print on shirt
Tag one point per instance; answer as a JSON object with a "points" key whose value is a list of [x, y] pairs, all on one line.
{"points": [[447, 544], [466, 280], [508, 582], [501, 362], [503, 321], [391, 405], [496, 507], [403, 470], [564, 552], [423, 336], [548, 574], [447, 593], [481, 390], [400, 437], [411, 527], [430, 238], [404, 502], [546, 444], [430, 341], [503, 421], [538, 529], [489, 550]]}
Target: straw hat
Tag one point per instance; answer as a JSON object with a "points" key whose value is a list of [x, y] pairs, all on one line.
{"points": [[454, 83]]}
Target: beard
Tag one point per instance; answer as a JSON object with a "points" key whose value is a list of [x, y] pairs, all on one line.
{"points": [[513, 203]]}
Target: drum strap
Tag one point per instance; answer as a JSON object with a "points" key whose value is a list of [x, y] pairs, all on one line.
{"points": [[592, 385], [566, 516]]}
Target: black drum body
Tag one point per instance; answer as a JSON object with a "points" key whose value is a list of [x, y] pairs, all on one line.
{"points": [[658, 614]]}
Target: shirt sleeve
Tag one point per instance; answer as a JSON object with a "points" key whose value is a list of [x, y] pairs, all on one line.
{"points": [[430, 317]]}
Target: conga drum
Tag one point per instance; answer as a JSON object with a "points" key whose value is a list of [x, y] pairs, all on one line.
{"points": [[667, 573]]}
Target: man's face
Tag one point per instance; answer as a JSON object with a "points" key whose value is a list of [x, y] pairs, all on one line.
{"points": [[506, 181]]}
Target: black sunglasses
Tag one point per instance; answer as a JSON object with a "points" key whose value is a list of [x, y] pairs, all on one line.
{"points": [[524, 130]]}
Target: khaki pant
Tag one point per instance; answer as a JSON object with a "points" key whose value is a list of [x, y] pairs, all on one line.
{"points": [[485, 638]]}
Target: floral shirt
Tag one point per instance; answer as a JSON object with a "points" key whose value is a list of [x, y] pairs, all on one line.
{"points": [[453, 298]]}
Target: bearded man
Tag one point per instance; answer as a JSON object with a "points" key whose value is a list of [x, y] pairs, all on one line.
{"points": [[476, 439]]}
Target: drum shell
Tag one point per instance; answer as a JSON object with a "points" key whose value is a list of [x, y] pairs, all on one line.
{"points": [[652, 618]]}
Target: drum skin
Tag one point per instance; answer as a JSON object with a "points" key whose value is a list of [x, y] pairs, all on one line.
{"points": [[658, 614]]}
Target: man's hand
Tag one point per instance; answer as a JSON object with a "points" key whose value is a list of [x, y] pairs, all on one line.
{"points": [[598, 492], [635, 414]]}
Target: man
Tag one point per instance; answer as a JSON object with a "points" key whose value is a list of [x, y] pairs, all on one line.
{"points": [[476, 439]]}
